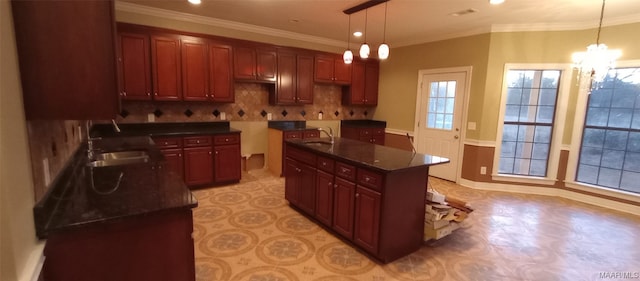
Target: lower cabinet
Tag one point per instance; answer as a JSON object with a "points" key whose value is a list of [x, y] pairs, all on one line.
{"points": [[343, 207], [226, 163], [175, 160], [198, 165], [367, 216], [324, 197], [372, 135], [300, 190]]}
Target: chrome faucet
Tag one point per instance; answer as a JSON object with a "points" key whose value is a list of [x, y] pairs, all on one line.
{"points": [[330, 133], [115, 126]]}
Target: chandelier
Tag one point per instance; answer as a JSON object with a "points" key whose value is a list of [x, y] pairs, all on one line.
{"points": [[597, 60], [383, 50]]}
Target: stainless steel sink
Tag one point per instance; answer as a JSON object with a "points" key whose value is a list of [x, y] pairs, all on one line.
{"points": [[118, 158], [317, 143]]}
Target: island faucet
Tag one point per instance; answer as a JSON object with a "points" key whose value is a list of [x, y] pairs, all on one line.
{"points": [[115, 126], [330, 133]]}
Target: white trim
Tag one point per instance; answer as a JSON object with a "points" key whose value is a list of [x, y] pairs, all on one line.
{"points": [[468, 71], [604, 191], [551, 191], [162, 13], [564, 92], [398, 132], [482, 143], [34, 263], [565, 147], [634, 18]]}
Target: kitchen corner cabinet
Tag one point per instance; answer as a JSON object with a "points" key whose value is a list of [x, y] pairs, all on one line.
{"points": [[332, 69], [294, 80], [255, 64], [364, 84], [206, 71], [67, 58]]}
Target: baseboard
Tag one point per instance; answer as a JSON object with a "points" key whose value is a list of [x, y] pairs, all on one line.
{"points": [[551, 191], [33, 267]]}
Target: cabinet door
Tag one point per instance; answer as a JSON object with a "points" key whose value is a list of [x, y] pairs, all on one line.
{"points": [[67, 57], [220, 79], [377, 139], [266, 65], [198, 165], [307, 189], [227, 163], [165, 60], [323, 71], [357, 94], [175, 162], [134, 66], [244, 63], [371, 83], [343, 207], [341, 72], [367, 214], [286, 85], [304, 79], [324, 197], [291, 182], [195, 86]]}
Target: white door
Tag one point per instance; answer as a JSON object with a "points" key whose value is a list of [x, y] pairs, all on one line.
{"points": [[441, 97]]}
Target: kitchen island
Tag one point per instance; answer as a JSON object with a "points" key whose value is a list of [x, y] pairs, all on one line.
{"points": [[120, 222], [370, 195]]}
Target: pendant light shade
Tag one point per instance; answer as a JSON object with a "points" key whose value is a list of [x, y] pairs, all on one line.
{"points": [[383, 51], [364, 49]]}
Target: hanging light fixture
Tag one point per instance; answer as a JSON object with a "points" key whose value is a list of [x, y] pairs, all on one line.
{"points": [[347, 57], [383, 50], [364, 49], [597, 60]]}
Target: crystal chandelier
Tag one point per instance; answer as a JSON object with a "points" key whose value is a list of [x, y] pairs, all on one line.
{"points": [[597, 60]]}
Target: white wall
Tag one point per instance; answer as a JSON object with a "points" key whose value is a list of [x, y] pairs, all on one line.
{"points": [[20, 250]]}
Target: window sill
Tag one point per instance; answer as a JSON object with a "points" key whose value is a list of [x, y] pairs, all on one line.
{"points": [[523, 179], [620, 194]]}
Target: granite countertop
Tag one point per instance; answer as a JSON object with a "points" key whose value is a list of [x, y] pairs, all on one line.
{"points": [[83, 195], [363, 123], [290, 125], [378, 157], [162, 129]]}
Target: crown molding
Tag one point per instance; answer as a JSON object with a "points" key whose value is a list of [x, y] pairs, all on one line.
{"points": [[441, 37], [635, 18], [173, 15]]}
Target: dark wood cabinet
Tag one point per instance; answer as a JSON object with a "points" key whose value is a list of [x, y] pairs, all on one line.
{"points": [[343, 207], [332, 69], [134, 66], [364, 84], [304, 79], [255, 63], [198, 160], [367, 218], [67, 57], [300, 191], [227, 158], [206, 71], [324, 197], [166, 68], [295, 79], [175, 160], [374, 135]]}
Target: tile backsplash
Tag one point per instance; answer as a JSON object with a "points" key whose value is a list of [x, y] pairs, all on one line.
{"points": [[251, 104]]}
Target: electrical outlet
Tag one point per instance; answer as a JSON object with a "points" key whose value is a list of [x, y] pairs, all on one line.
{"points": [[483, 170], [471, 126], [269, 116], [223, 116], [151, 118], [46, 171]]}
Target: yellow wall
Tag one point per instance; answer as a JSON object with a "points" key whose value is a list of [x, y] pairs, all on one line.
{"points": [[19, 248]]}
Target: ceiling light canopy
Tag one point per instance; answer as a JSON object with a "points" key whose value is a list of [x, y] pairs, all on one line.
{"points": [[195, 2], [496, 2], [597, 60], [365, 50]]}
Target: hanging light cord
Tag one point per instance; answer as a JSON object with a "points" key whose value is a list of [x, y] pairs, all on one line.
{"points": [[366, 13], [384, 30], [349, 34], [600, 25]]}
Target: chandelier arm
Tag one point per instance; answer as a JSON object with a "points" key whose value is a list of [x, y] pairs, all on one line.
{"points": [[600, 24], [384, 30]]}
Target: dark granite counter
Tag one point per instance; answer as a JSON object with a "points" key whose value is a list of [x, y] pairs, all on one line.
{"points": [[162, 129], [378, 157], [83, 195], [290, 125], [363, 123]]}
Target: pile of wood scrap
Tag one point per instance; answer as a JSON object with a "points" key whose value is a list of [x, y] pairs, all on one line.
{"points": [[443, 214]]}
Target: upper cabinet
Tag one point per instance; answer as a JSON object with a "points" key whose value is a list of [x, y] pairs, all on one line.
{"points": [[364, 84], [255, 64], [206, 71], [165, 68], [294, 79], [332, 69], [67, 58], [134, 66]]}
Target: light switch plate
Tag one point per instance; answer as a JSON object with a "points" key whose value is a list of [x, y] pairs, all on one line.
{"points": [[223, 116], [151, 117], [471, 126], [269, 116]]}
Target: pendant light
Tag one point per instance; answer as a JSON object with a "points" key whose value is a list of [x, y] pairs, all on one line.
{"points": [[597, 60], [347, 57], [364, 49], [383, 50]]}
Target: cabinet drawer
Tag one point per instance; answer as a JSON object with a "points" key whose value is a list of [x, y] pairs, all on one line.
{"points": [[311, 134], [345, 171], [377, 131], [292, 135], [301, 155], [325, 164], [197, 141], [370, 179], [167, 143], [226, 139]]}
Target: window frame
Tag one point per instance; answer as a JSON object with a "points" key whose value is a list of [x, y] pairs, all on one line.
{"points": [[576, 143], [558, 124]]}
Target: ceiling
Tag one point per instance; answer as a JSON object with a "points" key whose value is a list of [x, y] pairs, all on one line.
{"points": [[408, 21]]}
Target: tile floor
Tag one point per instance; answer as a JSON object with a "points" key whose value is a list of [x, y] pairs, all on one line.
{"points": [[247, 231]]}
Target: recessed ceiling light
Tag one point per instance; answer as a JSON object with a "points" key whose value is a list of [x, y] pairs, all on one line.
{"points": [[496, 2], [357, 34], [294, 20], [463, 12], [195, 2]]}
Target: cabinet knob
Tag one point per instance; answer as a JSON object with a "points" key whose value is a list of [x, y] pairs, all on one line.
{"points": [[357, 194], [124, 94], [330, 184], [155, 94], [148, 94], [324, 164], [216, 153], [344, 170], [197, 141], [212, 95], [335, 186], [226, 140], [209, 152], [179, 154], [367, 179]]}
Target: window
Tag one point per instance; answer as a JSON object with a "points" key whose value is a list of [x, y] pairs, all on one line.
{"points": [[441, 104], [610, 148], [528, 121]]}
